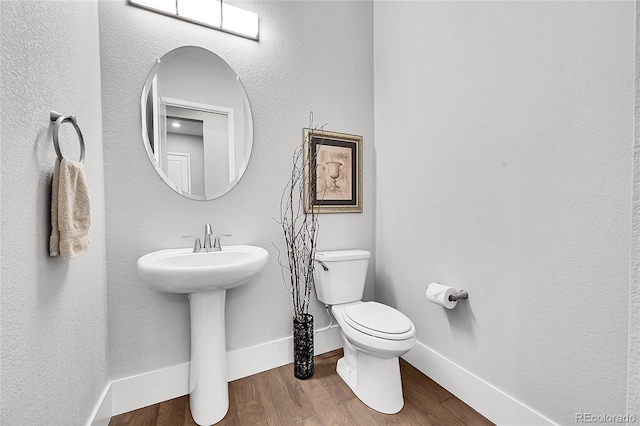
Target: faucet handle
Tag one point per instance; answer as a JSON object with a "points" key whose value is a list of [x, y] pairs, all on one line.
{"points": [[197, 246], [216, 241], [207, 229]]}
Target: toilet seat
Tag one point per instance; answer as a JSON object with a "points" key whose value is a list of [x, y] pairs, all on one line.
{"points": [[378, 320]]}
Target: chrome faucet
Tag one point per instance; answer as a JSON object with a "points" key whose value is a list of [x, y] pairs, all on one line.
{"points": [[207, 238], [206, 247]]}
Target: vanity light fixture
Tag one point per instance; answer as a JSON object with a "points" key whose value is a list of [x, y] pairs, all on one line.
{"points": [[214, 14]]}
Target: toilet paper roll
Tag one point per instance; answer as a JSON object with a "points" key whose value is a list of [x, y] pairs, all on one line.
{"points": [[439, 294]]}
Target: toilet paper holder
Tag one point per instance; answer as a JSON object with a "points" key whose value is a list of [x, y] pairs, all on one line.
{"points": [[462, 294]]}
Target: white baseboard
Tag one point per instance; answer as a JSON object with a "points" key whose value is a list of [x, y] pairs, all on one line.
{"points": [[102, 412], [483, 397], [149, 388], [131, 393], [256, 359]]}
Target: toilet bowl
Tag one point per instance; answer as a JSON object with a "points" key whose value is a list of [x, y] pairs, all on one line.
{"points": [[374, 334], [370, 366]]}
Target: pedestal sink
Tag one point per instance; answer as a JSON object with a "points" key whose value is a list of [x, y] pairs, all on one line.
{"points": [[205, 277]]}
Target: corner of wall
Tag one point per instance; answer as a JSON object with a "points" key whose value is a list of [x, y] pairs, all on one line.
{"points": [[633, 372]]}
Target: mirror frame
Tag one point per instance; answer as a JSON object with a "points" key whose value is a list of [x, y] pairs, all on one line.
{"points": [[145, 135]]}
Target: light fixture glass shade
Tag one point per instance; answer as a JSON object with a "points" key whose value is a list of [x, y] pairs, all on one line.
{"points": [[207, 12], [228, 18], [168, 6], [239, 20]]}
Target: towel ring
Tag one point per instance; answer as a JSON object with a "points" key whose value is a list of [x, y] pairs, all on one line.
{"points": [[57, 120]]}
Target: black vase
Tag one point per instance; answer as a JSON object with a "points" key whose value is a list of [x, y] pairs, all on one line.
{"points": [[303, 347]]}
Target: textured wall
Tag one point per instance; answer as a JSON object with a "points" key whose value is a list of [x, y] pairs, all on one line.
{"points": [[312, 56], [633, 396], [504, 144], [53, 311]]}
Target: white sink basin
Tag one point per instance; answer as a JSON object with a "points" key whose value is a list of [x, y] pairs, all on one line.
{"points": [[182, 271], [205, 277]]}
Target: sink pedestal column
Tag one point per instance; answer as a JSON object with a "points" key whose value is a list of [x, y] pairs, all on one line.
{"points": [[208, 386]]}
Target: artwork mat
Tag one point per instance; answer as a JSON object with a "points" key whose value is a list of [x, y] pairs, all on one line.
{"points": [[340, 143]]}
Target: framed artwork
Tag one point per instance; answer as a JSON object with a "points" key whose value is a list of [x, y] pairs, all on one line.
{"points": [[333, 180]]}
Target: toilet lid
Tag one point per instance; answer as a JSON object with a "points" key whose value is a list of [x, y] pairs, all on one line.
{"points": [[378, 320]]}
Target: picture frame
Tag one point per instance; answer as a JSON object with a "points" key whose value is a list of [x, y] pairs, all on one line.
{"points": [[333, 176]]}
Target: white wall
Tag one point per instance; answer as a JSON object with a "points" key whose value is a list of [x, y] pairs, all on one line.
{"points": [[633, 374], [503, 159], [53, 311], [312, 56]]}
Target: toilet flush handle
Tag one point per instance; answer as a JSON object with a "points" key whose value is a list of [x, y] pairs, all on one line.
{"points": [[325, 267]]}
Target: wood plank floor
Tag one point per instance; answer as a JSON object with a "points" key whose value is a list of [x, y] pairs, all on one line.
{"points": [[276, 397]]}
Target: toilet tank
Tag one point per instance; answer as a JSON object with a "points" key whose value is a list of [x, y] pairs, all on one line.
{"points": [[344, 278]]}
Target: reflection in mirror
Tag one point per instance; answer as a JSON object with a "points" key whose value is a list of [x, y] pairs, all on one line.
{"points": [[197, 126]]}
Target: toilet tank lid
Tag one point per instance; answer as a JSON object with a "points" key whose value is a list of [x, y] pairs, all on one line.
{"points": [[339, 255]]}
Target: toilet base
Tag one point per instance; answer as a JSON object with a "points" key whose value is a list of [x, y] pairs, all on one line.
{"points": [[375, 381]]}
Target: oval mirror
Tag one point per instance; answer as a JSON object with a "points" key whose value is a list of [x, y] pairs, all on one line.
{"points": [[197, 126]]}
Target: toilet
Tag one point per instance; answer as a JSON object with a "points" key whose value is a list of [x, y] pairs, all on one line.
{"points": [[374, 335]]}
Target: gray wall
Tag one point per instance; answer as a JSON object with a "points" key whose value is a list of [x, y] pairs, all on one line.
{"points": [[633, 386], [53, 311], [312, 56], [504, 144]]}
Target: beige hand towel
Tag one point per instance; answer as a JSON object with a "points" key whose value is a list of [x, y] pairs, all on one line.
{"points": [[70, 210]]}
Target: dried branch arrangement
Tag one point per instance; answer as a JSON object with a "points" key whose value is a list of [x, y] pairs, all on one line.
{"points": [[300, 227]]}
